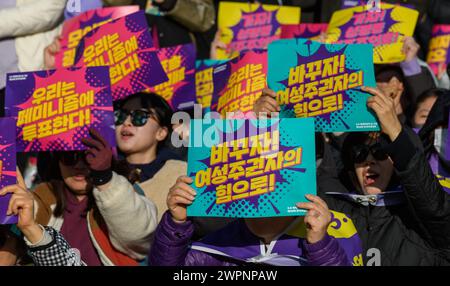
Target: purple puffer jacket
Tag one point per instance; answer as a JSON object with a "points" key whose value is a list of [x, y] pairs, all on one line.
{"points": [[171, 247]]}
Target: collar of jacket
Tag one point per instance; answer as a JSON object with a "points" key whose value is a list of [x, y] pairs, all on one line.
{"points": [[380, 200]]}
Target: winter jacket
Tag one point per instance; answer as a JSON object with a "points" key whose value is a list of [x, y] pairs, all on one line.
{"points": [[236, 245], [120, 230], [55, 251], [414, 228], [34, 25]]}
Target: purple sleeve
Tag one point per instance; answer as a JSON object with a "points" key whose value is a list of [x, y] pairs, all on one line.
{"points": [[171, 246], [171, 242], [411, 68], [326, 252]]}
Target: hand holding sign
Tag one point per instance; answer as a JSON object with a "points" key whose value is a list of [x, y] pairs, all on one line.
{"points": [[410, 48], [21, 204], [180, 195], [50, 53], [384, 107], [266, 104], [317, 218]]}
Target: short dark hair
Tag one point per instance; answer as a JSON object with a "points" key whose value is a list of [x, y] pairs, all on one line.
{"points": [[156, 103]]}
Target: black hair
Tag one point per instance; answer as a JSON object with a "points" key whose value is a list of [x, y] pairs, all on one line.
{"points": [[156, 104], [385, 72], [433, 92], [354, 139]]}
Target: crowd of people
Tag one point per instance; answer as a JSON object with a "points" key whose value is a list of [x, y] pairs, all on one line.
{"points": [[127, 206]]}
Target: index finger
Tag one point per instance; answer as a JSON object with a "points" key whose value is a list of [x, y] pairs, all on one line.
{"points": [[269, 92], [96, 135], [318, 200]]}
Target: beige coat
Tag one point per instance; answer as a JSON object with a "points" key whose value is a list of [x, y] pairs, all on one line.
{"points": [[157, 188]]}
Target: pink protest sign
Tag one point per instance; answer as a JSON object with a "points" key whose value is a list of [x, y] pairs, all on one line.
{"points": [[125, 45], [305, 30], [438, 50], [76, 28], [55, 109], [241, 84]]}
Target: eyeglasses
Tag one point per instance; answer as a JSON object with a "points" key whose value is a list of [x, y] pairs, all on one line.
{"points": [[360, 153], [70, 158], [138, 117]]}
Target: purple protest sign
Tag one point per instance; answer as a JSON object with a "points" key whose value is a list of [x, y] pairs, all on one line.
{"points": [[179, 64], [438, 56], [126, 46], [74, 29], [7, 165]]}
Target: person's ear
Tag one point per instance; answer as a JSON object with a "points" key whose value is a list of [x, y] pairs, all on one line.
{"points": [[162, 134]]}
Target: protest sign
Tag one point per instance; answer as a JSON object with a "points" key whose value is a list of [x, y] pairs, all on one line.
{"points": [[304, 30], [7, 165], [251, 168], [240, 83], [248, 26], [204, 81], [179, 65], [55, 108], [384, 29], [125, 45], [76, 28], [438, 50], [322, 81]]}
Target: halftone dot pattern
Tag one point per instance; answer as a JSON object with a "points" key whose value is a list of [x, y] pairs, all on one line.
{"points": [[145, 41], [135, 25], [97, 79]]}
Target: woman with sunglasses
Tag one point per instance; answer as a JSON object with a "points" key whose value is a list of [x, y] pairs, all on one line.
{"points": [[96, 210], [399, 209], [143, 129]]}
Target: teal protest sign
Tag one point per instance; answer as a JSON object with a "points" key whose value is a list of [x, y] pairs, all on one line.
{"points": [[323, 81], [251, 168]]}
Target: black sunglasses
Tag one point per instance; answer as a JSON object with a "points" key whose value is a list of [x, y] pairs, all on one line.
{"points": [[360, 153], [70, 158], [138, 117]]}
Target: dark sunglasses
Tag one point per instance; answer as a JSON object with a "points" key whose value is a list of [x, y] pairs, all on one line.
{"points": [[70, 158], [360, 153], [138, 117]]}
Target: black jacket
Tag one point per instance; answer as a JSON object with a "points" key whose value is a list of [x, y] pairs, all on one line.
{"points": [[416, 232]]}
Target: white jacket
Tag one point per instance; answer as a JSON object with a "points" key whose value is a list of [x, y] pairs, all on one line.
{"points": [[34, 25], [131, 219]]}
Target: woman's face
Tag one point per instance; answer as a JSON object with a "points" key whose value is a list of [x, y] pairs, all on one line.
{"points": [[373, 176], [138, 139], [75, 176], [423, 109]]}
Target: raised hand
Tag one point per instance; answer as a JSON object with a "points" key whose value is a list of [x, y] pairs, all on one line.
{"points": [[317, 218], [180, 196]]}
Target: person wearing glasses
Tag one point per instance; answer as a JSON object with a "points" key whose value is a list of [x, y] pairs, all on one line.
{"points": [[400, 211], [143, 131]]}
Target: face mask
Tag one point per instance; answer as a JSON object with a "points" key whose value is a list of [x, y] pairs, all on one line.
{"points": [[440, 140]]}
